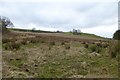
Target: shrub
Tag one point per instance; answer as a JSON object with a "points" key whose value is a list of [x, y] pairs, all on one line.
{"points": [[98, 50], [32, 41], [6, 46], [62, 43], [52, 43], [86, 46], [113, 54], [105, 45], [15, 46], [83, 72], [42, 41], [5, 40], [49, 48], [95, 48], [24, 42], [67, 47], [99, 45], [12, 46], [83, 43], [37, 40]]}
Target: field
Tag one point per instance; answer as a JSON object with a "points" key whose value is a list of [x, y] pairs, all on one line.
{"points": [[58, 55]]}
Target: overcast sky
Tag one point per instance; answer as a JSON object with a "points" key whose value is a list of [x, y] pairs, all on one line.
{"points": [[100, 18]]}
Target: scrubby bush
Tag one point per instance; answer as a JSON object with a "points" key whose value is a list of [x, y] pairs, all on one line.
{"points": [[5, 40], [12, 46], [99, 45], [67, 47], [105, 45], [86, 46], [32, 41], [52, 43], [5, 46], [83, 43], [15, 46], [113, 54], [37, 40], [95, 48], [24, 42], [49, 48], [42, 41], [62, 43], [98, 50], [83, 72]]}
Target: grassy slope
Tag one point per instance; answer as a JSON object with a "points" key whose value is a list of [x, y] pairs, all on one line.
{"points": [[53, 58], [84, 35], [87, 35]]}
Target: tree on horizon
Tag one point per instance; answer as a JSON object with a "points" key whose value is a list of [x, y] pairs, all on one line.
{"points": [[4, 23]]}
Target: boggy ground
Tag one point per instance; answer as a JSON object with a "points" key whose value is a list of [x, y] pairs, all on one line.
{"points": [[39, 55]]}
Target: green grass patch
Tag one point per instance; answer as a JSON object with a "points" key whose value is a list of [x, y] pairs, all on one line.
{"points": [[17, 63]]}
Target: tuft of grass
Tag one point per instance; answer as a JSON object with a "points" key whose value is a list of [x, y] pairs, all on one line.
{"points": [[83, 72], [17, 62]]}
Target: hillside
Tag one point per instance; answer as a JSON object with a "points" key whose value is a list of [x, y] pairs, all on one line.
{"points": [[57, 55], [66, 34]]}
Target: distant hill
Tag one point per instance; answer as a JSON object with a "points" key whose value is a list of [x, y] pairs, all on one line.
{"points": [[87, 35], [29, 30], [70, 34]]}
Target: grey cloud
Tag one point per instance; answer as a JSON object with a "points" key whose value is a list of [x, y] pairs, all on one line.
{"points": [[61, 15], [99, 14]]}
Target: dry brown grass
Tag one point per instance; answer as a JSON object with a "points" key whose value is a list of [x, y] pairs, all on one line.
{"points": [[44, 55]]}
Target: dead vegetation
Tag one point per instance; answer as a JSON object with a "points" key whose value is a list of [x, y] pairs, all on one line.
{"points": [[46, 56]]}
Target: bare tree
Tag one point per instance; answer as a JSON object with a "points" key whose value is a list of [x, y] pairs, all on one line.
{"points": [[4, 23]]}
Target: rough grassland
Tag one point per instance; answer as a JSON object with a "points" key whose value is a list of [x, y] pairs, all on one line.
{"points": [[56, 55]]}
